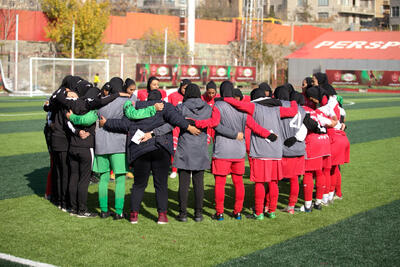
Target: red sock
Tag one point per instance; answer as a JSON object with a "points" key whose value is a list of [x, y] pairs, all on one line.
{"points": [[294, 190], [308, 185], [338, 183], [273, 195], [239, 192], [327, 174], [259, 194], [320, 181], [219, 193], [267, 197], [333, 178]]}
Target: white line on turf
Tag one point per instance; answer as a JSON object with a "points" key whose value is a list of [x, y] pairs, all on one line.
{"points": [[11, 258], [349, 103], [21, 114]]}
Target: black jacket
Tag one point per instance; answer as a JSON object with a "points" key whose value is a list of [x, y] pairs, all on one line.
{"points": [[168, 115]]}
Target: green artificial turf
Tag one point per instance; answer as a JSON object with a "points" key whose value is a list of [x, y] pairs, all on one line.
{"points": [[370, 238], [21, 126], [33, 228]]}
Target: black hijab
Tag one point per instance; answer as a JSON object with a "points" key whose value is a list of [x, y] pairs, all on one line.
{"points": [[154, 95], [265, 86], [226, 89], [308, 82], [183, 83], [117, 85], [152, 78], [298, 97], [92, 93], [282, 93], [82, 87], [323, 83], [238, 93], [315, 92], [211, 84], [192, 91], [257, 93]]}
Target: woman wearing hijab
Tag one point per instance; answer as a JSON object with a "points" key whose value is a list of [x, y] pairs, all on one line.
{"points": [[208, 97], [228, 152], [175, 99], [340, 146], [265, 156], [191, 157], [153, 83], [150, 154], [307, 83]]}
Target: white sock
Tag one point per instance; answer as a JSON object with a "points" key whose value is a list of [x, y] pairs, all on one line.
{"points": [[307, 204], [325, 198], [331, 194], [318, 201]]}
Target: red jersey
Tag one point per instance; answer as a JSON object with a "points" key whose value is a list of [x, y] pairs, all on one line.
{"points": [[142, 94], [175, 98], [208, 100]]}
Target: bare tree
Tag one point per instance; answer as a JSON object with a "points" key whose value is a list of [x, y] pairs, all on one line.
{"points": [[7, 19]]}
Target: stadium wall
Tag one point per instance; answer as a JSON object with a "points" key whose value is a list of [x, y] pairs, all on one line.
{"points": [[299, 68]]}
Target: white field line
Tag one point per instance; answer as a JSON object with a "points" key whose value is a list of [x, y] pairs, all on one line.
{"points": [[11, 258], [21, 114], [349, 103]]}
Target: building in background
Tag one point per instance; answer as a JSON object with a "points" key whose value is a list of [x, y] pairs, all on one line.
{"points": [[394, 20]]}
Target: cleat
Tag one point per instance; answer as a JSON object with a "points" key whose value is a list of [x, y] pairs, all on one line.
{"points": [[198, 217], [258, 217], [218, 217], [304, 209], [104, 215], [336, 197], [182, 217], [271, 215], [129, 175], [237, 216], [118, 216], [86, 214], [318, 206], [288, 210], [134, 217], [173, 175], [162, 218]]}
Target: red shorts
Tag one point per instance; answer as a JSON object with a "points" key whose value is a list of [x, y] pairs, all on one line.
{"points": [[224, 167], [340, 148], [293, 166], [265, 170], [317, 164]]}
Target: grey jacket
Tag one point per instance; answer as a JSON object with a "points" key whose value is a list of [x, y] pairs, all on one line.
{"points": [[108, 142], [290, 127], [192, 151], [269, 118], [225, 147]]}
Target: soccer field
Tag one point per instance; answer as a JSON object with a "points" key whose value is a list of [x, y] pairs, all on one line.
{"points": [[361, 229]]}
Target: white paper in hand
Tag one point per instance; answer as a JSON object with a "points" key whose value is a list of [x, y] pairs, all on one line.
{"points": [[137, 136]]}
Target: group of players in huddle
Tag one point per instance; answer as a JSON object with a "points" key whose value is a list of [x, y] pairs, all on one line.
{"points": [[285, 134]]}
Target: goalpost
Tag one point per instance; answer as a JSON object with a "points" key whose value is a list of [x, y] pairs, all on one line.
{"points": [[46, 74]]}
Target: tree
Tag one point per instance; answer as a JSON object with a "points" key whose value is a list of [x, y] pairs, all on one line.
{"points": [[304, 13], [7, 20], [91, 19], [154, 44], [211, 9], [256, 51]]}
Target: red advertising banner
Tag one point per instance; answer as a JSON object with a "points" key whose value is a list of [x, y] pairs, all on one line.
{"points": [[364, 78], [195, 73]]}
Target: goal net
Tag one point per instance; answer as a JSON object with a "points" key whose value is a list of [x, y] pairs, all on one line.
{"points": [[46, 74]]}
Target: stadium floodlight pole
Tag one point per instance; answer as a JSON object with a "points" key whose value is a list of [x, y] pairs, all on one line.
{"points": [[73, 48], [165, 45], [16, 54], [191, 25]]}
